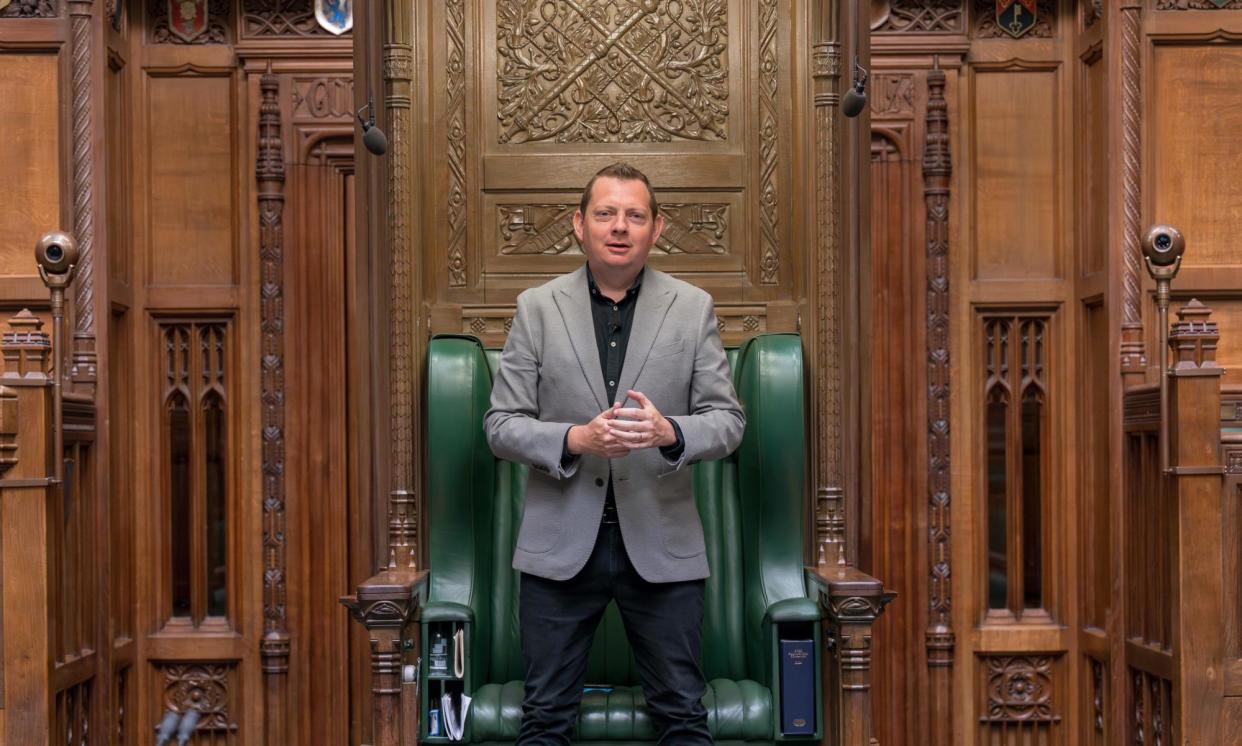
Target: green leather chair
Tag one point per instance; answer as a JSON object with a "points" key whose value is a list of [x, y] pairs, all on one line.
{"points": [[752, 506]]}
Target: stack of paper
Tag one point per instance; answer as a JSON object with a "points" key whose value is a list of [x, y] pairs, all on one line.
{"points": [[454, 717]]}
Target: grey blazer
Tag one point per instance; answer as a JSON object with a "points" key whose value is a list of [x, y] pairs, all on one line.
{"points": [[550, 378]]}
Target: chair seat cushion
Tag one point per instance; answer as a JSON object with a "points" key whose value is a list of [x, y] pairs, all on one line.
{"points": [[736, 710]]}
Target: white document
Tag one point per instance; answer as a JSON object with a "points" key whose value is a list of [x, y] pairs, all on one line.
{"points": [[459, 653], [454, 721]]}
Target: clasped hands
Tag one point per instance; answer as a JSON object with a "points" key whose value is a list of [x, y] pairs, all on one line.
{"points": [[618, 430]]}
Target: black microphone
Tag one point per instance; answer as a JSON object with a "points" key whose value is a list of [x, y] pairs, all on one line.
{"points": [[373, 138], [855, 99]]}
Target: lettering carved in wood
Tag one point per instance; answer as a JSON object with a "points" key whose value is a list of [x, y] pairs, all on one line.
{"points": [[614, 71]]}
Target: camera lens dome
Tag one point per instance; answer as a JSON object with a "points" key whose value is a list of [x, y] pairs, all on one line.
{"points": [[1164, 242], [55, 253]]}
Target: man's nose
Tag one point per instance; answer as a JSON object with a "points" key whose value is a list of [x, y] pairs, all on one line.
{"points": [[620, 224]]}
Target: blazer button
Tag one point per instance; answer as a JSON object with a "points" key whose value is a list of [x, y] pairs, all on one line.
{"points": [[599, 482]]}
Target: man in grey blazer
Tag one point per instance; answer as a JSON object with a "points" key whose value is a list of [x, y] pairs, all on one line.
{"points": [[613, 381]]}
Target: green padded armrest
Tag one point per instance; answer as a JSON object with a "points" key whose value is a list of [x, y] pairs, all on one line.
{"points": [[447, 611], [792, 610]]}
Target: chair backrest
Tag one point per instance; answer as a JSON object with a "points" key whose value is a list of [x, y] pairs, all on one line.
{"points": [[751, 506]]}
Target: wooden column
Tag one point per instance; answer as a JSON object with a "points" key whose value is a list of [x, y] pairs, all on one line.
{"points": [[938, 637], [829, 415], [270, 177], [26, 492], [1133, 353], [1198, 579], [83, 80], [386, 603]]}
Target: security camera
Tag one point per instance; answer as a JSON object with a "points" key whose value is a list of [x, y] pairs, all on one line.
{"points": [[1163, 245], [56, 253]]}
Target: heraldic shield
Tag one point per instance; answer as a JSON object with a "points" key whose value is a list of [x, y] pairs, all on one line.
{"points": [[336, 16], [1016, 17], [187, 18]]}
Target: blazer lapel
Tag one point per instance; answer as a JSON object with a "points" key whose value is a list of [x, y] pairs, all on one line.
{"points": [[575, 308], [653, 302]]}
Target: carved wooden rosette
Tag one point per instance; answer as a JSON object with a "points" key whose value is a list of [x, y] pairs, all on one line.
{"points": [[1133, 353], [82, 370], [405, 277], [270, 176], [829, 490]]}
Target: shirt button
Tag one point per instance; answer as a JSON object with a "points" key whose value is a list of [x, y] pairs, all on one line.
{"points": [[599, 482], [614, 308], [612, 383], [612, 344]]}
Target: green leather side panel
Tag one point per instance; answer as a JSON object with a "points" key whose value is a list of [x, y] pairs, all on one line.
{"points": [[460, 483], [770, 465]]}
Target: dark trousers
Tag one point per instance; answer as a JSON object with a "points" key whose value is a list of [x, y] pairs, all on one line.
{"points": [[664, 624]]}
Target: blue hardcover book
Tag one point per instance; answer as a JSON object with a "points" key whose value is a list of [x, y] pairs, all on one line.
{"points": [[797, 687]]}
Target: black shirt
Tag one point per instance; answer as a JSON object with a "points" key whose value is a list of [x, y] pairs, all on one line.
{"points": [[613, 321]]}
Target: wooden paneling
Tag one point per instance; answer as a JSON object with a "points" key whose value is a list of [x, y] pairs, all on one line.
{"points": [[191, 157], [1092, 140], [1196, 115], [1094, 572], [30, 154], [1014, 191]]}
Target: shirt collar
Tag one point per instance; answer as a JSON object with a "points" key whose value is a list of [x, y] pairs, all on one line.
{"points": [[633, 291]]}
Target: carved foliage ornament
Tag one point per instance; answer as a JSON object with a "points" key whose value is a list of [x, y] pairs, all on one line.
{"points": [[28, 9], [202, 687], [892, 95], [281, 18], [701, 228], [612, 70], [323, 98], [1019, 689], [919, 17], [1199, 5], [1008, 19], [189, 21]]}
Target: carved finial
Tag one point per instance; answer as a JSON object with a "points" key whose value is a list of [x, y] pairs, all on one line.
{"points": [[27, 348], [1194, 337]]}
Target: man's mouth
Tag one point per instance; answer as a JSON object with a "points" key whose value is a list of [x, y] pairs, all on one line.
{"points": [[618, 246]]}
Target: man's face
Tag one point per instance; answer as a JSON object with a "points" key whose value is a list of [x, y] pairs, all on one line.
{"points": [[618, 230]]}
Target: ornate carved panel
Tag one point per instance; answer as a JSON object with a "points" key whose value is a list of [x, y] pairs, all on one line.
{"points": [[921, 17], [1092, 12], [1019, 688], [699, 228], [985, 26], [217, 31], [612, 71], [280, 18], [1198, 4], [200, 686], [30, 9]]}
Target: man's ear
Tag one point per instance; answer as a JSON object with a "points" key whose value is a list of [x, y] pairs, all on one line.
{"points": [[578, 225], [659, 228]]}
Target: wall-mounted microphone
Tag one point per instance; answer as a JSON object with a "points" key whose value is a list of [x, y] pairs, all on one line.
{"points": [[855, 99], [372, 137]]}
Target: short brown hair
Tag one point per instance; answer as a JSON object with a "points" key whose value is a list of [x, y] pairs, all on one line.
{"points": [[622, 172]]}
